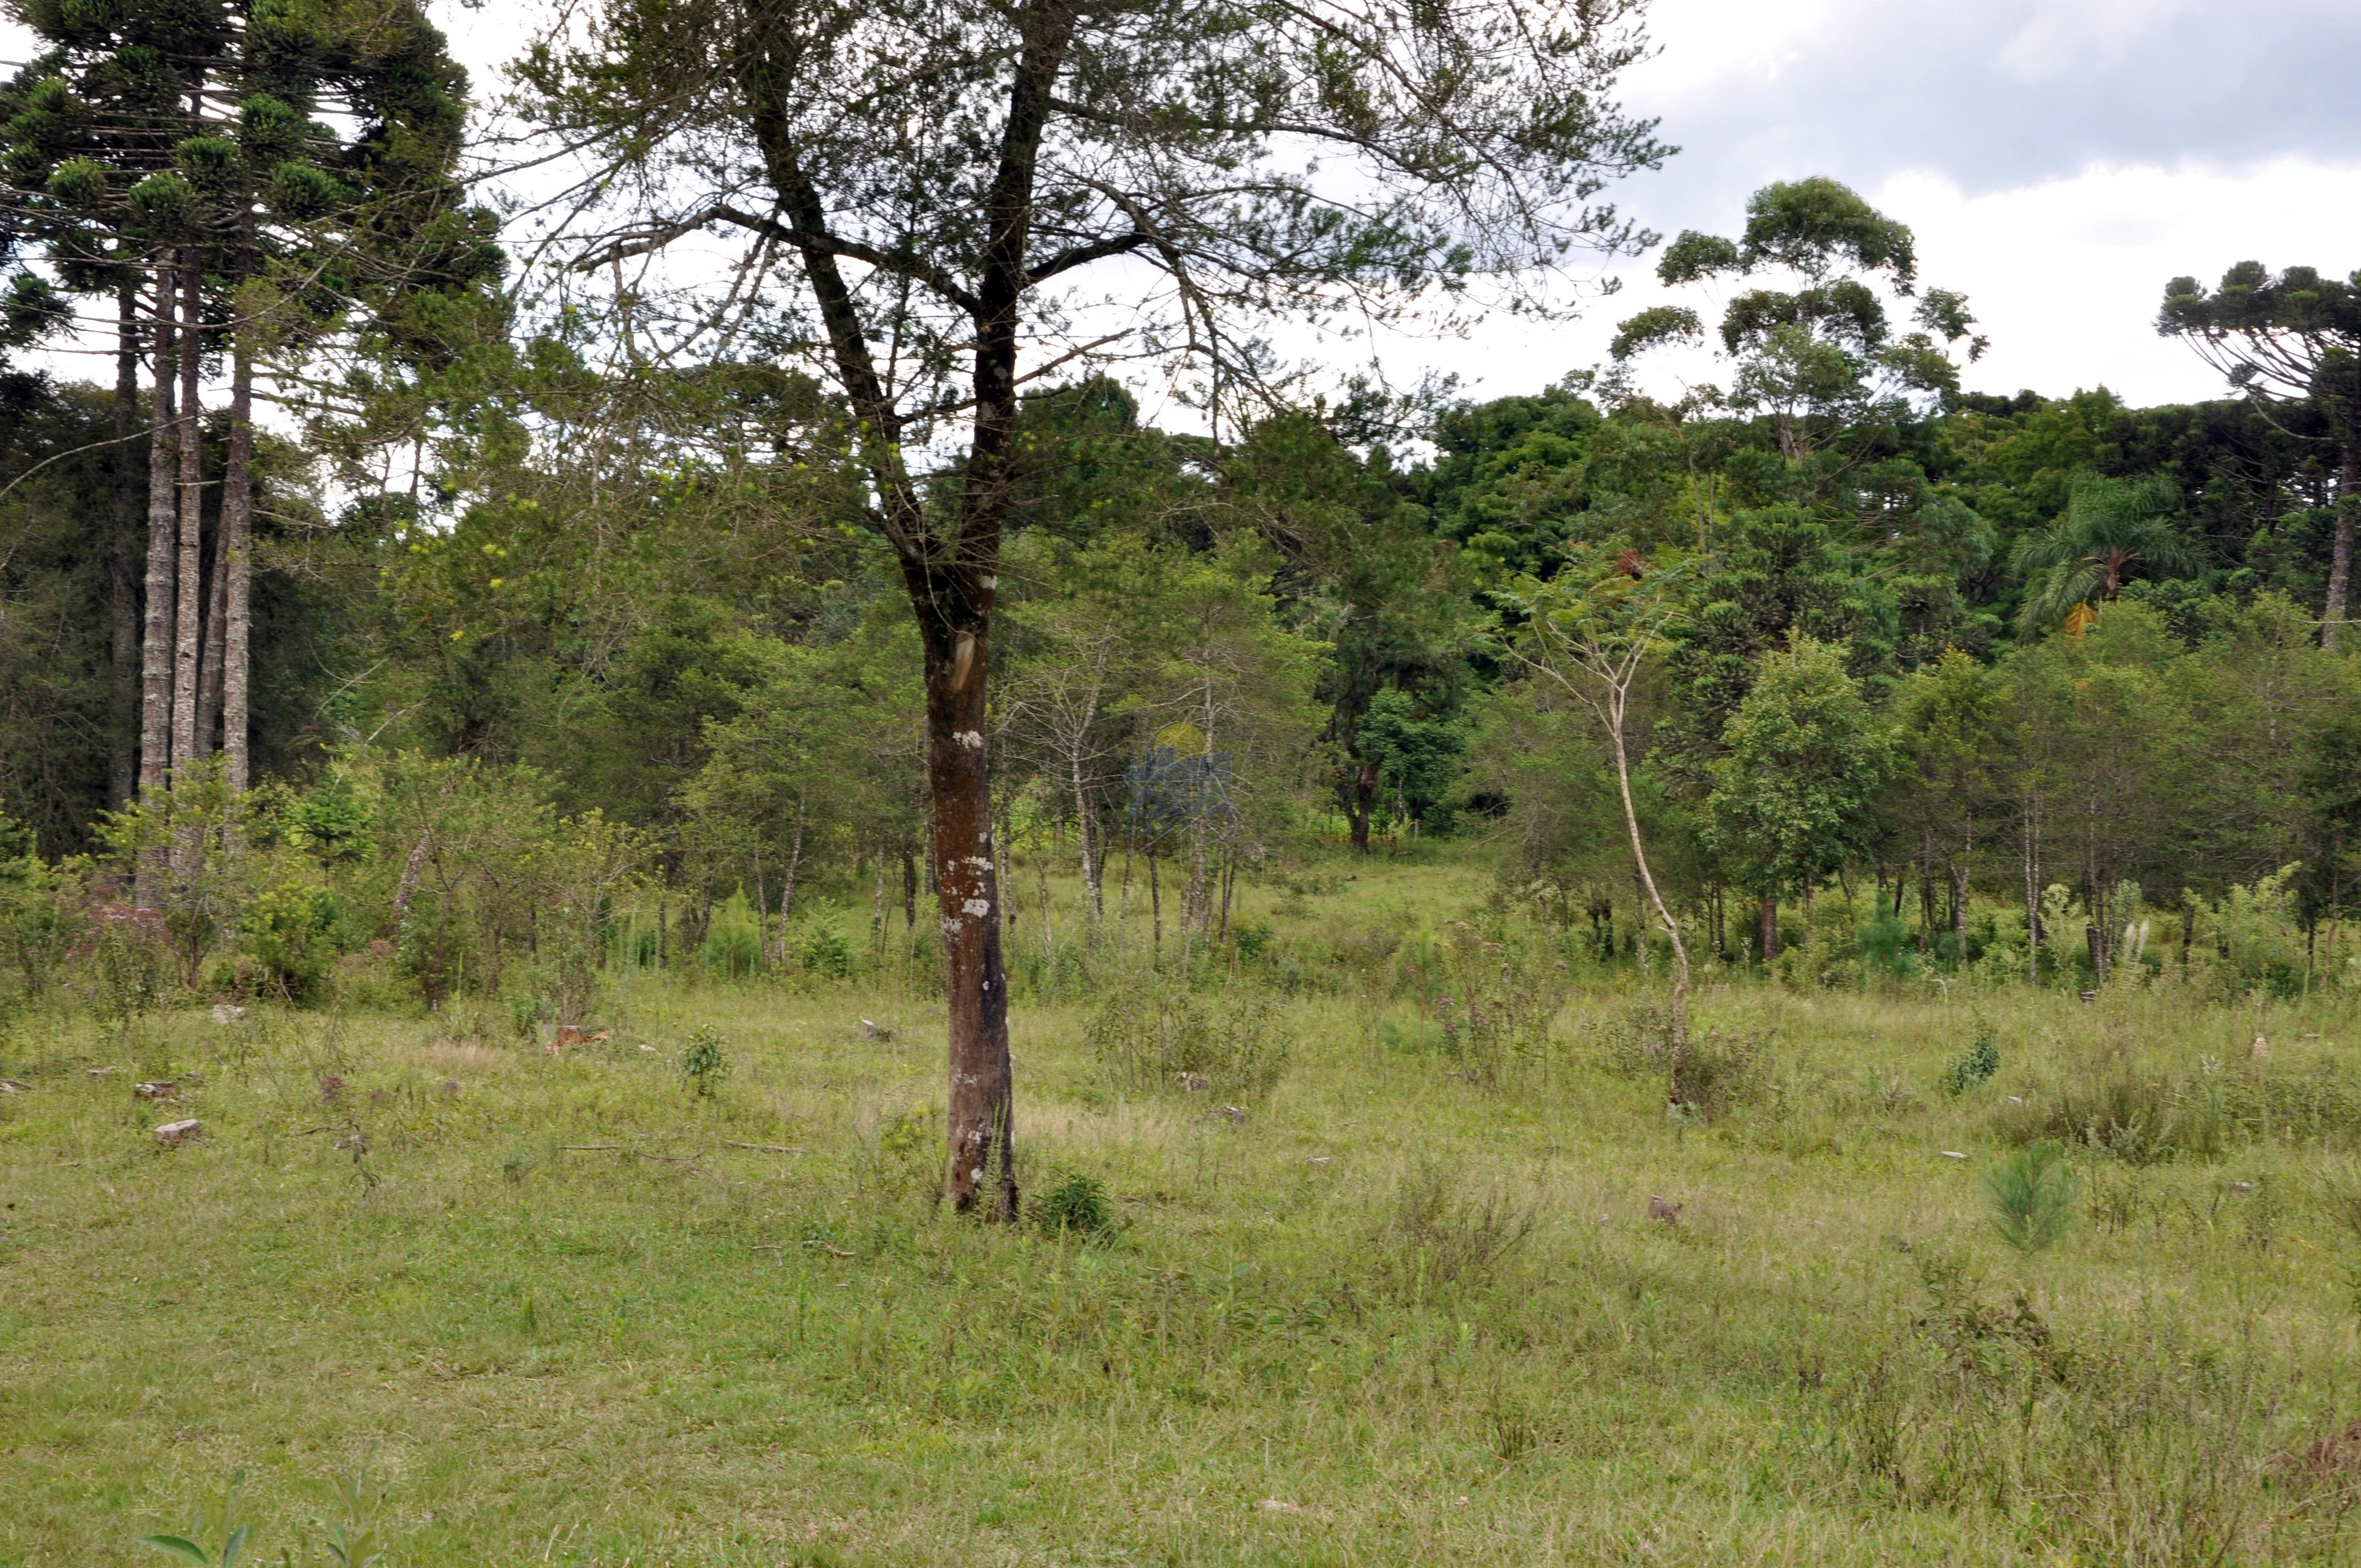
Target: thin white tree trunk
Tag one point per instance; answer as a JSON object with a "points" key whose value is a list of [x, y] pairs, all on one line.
{"points": [[163, 548]]}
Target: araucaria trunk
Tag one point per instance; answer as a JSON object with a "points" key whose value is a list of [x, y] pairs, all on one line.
{"points": [[237, 570], [189, 603], [123, 560], [163, 552], [2340, 560]]}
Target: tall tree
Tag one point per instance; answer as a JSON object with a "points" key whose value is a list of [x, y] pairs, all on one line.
{"points": [[930, 180], [1823, 356], [2291, 339], [178, 145]]}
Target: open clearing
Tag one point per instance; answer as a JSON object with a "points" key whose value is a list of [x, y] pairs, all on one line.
{"points": [[580, 1314]]}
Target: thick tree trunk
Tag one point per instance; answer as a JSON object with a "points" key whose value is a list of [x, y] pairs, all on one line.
{"points": [[982, 1117], [237, 552], [187, 744], [163, 554], [123, 585]]}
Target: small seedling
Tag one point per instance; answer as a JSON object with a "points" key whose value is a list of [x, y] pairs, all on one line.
{"points": [[2032, 1196], [703, 1064], [233, 1535]]}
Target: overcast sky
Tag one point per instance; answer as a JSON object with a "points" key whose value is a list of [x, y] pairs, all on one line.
{"points": [[2059, 160]]}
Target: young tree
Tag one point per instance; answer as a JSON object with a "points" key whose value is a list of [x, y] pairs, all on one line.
{"points": [[1805, 753], [1948, 719], [925, 181], [2290, 340], [1363, 572], [1591, 639]]}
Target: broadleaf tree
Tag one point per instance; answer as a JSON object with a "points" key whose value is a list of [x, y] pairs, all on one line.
{"points": [[917, 191]]}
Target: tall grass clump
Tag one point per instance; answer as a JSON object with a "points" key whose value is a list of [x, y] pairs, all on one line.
{"points": [[1148, 1037]]}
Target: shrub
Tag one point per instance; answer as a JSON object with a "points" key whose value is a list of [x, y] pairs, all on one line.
{"points": [[2032, 1195], [2139, 1121], [1253, 938], [703, 1063], [910, 1151], [733, 943], [824, 949], [1720, 1069], [1077, 1205], [1975, 1066], [291, 932]]}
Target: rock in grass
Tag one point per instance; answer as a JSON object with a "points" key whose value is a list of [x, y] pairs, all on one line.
{"points": [[1664, 1208], [172, 1135], [227, 1012], [10, 1085], [162, 1089]]}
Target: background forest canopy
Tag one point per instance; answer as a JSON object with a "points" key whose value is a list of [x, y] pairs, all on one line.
{"points": [[530, 631]]}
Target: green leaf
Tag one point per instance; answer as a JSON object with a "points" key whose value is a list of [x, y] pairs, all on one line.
{"points": [[178, 1547]]}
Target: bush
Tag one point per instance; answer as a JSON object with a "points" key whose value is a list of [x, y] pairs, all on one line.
{"points": [[733, 942], [1720, 1069], [291, 933], [823, 949], [1974, 1066], [1432, 1236], [2032, 1196], [2139, 1121], [703, 1063]]}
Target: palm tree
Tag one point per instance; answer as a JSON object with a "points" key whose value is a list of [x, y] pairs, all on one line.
{"points": [[2109, 527]]}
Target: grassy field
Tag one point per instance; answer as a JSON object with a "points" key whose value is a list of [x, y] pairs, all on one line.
{"points": [[1403, 1311]]}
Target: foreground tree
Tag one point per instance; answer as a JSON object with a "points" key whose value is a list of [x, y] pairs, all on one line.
{"points": [[919, 186], [2292, 341]]}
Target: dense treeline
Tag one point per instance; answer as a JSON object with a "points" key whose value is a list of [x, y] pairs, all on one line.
{"points": [[2032, 687]]}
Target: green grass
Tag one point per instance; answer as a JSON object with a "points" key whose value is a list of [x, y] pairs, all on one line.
{"points": [[1393, 1317]]}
